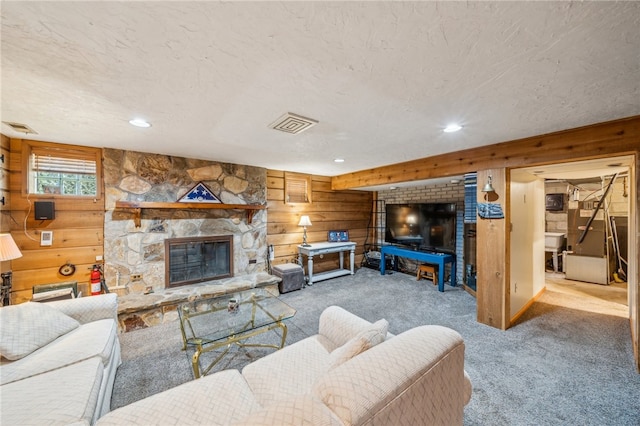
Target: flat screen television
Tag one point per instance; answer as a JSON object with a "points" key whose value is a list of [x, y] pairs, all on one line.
{"points": [[422, 226]]}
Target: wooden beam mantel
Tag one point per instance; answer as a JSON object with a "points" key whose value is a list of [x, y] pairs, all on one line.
{"points": [[594, 141], [137, 207]]}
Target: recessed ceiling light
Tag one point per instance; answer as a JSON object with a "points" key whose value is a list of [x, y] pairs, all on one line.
{"points": [[138, 122], [453, 127], [393, 188], [339, 160]]}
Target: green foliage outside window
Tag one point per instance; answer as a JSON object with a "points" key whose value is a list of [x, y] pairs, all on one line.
{"points": [[65, 184]]}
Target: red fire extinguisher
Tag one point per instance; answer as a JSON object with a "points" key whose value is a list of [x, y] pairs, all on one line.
{"points": [[95, 281]]}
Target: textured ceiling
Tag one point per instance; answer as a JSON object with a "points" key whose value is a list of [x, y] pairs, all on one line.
{"points": [[382, 78]]}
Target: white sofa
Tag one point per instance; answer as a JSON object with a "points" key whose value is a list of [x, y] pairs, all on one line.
{"points": [[351, 373], [59, 361]]}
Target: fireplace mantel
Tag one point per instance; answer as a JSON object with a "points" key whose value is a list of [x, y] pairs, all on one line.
{"points": [[137, 207]]}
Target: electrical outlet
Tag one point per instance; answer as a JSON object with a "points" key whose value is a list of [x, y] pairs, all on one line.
{"points": [[136, 277]]}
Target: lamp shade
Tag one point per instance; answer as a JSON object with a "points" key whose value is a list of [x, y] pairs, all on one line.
{"points": [[8, 248], [304, 221]]}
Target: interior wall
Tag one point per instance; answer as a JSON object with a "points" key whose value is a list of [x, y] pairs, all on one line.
{"points": [[329, 210], [135, 256], [493, 255], [4, 192], [634, 254], [77, 235], [527, 240]]}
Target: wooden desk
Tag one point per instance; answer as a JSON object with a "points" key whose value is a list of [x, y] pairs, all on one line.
{"points": [[440, 259], [324, 248]]}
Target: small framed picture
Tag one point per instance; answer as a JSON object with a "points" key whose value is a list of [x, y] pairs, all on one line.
{"points": [[338, 236]]}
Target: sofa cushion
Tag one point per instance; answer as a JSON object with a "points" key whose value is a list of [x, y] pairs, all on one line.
{"points": [[92, 339], [60, 397], [29, 326], [418, 373], [367, 338], [288, 372], [302, 410], [339, 325], [89, 309], [218, 399]]}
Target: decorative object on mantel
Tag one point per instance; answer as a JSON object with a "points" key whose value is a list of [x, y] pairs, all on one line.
{"points": [[490, 211], [200, 193], [341, 236], [304, 222]]}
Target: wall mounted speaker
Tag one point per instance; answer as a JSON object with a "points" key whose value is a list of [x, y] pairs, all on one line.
{"points": [[45, 210]]}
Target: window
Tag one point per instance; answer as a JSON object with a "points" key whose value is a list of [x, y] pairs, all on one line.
{"points": [[297, 188], [62, 170]]}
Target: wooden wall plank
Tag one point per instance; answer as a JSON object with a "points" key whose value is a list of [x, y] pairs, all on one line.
{"points": [[594, 141], [23, 281], [50, 258], [78, 234], [329, 210], [63, 220], [61, 204], [491, 255], [5, 222], [62, 238]]}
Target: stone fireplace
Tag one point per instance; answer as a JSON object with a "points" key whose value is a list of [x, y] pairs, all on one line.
{"points": [[135, 257], [197, 259]]}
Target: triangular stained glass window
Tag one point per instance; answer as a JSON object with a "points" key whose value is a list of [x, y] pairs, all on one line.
{"points": [[199, 194]]}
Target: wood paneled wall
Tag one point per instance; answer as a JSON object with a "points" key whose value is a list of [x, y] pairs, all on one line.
{"points": [[600, 140], [329, 210], [4, 189], [77, 235], [4, 192], [492, 248]]}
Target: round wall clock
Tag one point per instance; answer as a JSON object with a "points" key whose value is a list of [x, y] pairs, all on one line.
{"points": [[67, 269]]}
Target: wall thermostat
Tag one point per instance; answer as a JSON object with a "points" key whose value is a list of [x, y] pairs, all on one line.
{"points": [[46, 238]]}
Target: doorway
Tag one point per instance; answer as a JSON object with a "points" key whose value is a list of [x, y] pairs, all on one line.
{"points": [[583, 184]]}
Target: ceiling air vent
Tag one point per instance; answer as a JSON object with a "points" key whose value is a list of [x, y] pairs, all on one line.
{"points": [[19, 127], [292, 123]]}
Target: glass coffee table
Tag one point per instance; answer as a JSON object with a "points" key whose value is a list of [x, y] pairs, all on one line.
{"points": [[210, 324]]}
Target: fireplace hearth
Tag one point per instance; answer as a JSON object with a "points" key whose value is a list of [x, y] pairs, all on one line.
{"points": [[197, 259]]}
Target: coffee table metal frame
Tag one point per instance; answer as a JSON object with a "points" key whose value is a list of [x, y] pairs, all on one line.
{"points": [[206, 324]]}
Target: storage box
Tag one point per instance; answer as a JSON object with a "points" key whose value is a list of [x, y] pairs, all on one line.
{"points": [[292, 276]]}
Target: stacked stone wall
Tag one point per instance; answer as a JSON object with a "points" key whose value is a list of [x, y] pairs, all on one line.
{"points": [[131, 252]]}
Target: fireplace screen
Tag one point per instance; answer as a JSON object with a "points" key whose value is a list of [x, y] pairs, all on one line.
{"points": [[197, 259]]}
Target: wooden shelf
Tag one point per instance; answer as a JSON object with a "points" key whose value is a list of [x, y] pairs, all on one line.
{"points": [[137, 207]]}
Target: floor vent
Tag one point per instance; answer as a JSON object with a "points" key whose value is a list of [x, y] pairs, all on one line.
{"points": [[293, 123]]}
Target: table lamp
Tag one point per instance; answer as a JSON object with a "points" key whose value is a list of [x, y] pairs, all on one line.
{"points": [[8, 251], [304, 222]]}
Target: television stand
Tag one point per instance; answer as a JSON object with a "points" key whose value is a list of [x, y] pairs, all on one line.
{"points": [[440, 259]]}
